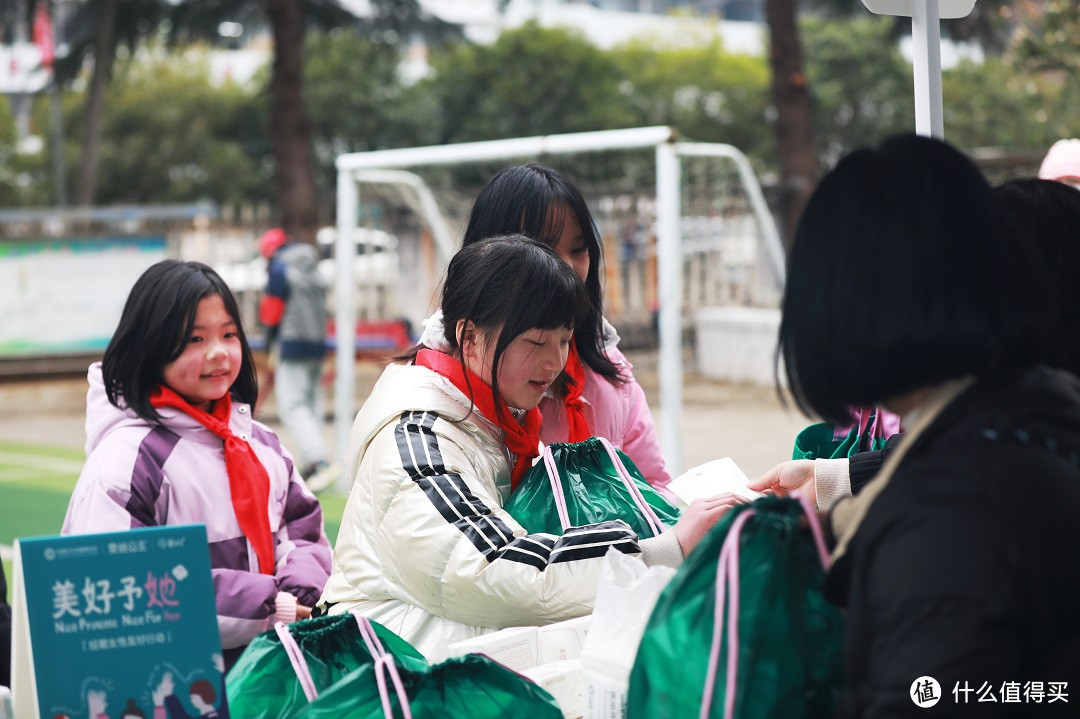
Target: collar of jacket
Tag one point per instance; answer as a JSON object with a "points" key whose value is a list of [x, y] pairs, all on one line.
{"points": [[849, 513]]}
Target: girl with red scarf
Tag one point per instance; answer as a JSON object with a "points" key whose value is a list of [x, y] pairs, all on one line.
{"points": [[171, 440], [425, 547], [597, 394]]}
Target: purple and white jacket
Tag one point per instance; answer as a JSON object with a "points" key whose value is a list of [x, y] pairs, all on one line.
{"points": [[141, 474]]}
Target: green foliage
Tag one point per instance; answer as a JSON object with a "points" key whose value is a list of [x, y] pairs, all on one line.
{"points": [[992, 105], [531, 81], [1051, 44], [356, 100], [707, 93], [23, 178], [168, 135], [860, 83]]}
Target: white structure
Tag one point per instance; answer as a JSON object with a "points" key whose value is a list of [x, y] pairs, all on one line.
{"points": [[668, 157], [604, 28]]}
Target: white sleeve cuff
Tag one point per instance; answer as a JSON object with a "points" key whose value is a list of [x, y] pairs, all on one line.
{"points": [[285, 606], [662, 550], [832, 481]]}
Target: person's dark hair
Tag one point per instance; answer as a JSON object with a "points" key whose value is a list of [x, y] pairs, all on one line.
{"points": [[903, 274], [132, 711], [203, 689], [157, 320], [531, 200], [508, 284], [1049, 211]]}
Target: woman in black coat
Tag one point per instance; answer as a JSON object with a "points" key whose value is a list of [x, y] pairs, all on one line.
{"points": [[957, 564]]}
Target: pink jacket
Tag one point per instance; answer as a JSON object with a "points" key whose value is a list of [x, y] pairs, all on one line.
{"points": [[618, 413], [140, 474]]}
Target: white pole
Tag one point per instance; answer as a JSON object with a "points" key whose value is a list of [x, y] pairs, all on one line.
{"points": [[507, 149], [444, 241], [774, 246], [926, 59], [348, 201], [670, 269]]}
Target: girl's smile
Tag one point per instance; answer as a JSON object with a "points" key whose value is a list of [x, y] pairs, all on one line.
{"points": [[527, 368], [211, 359]]}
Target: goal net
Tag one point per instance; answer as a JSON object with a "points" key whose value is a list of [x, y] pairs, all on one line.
{"points": [[684, 226]]}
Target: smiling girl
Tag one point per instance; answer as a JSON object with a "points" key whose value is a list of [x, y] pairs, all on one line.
{"points": [[171, 440], [597, 395], [425, 547]]}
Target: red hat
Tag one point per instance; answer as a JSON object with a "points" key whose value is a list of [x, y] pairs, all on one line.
{"points": [[270, 241]]}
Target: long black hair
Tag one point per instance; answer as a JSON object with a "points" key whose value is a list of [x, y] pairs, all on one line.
{"points": [[531, 200], [157, 320]]}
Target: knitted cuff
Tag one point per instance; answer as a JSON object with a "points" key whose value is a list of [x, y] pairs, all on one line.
{"points": [[285, 606], [663, 549], [831, 481]]}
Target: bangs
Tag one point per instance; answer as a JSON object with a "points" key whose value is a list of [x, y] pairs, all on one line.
{"points": [[562, 306]]}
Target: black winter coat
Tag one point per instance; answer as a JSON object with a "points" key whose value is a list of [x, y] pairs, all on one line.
{"points": [[966, 568]]}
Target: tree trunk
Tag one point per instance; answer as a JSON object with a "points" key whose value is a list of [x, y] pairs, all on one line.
{"points": [[104, 52], [290, 132], [794, 118]]}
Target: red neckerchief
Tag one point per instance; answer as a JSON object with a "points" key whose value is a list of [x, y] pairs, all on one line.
{"points": [[523, 441], [575, 407], [249, 484]]}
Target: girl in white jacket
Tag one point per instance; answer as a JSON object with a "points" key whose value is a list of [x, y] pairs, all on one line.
{"points": [[424, 546]]}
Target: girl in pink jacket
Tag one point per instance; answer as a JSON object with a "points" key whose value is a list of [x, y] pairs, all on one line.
{"points": [[171, 440], [597, 394]]}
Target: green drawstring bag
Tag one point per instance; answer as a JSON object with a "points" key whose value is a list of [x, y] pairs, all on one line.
{"points": [[743, 630], [470, 687], [263, 684], [581, 483], [824, 440]]}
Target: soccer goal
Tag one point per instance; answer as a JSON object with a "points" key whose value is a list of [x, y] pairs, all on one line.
{"points": [[684, 226]]}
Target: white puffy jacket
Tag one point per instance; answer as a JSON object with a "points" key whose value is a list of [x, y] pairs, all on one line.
{"points": [[425, 547]]}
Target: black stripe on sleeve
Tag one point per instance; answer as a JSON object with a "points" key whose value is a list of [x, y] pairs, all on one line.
{"points": [[422, 460], [418, 448], [594, 540]]}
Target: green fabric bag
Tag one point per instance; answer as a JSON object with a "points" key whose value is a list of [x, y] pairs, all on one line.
{"points": [[753, 584], [581, 483], [824, 440], [470, 687], [263, 684]]}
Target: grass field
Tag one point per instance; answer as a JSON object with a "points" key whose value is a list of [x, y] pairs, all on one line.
{"points": [[36, 482]]}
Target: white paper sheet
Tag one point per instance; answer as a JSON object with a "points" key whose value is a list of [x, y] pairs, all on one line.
{"points": [[711, 478]]}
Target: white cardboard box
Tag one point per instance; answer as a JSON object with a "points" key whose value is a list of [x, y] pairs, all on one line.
{"points": [[522, 648], [563, 680]]}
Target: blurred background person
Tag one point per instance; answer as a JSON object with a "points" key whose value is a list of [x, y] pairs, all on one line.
{"points": [[293, 309]]}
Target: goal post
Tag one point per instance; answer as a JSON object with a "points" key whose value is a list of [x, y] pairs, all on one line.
{"points": [[676, 195]]}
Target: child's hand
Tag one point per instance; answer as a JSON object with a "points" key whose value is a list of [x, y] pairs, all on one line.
{"points": [[95, 703], [164, 688], [700, 517], [786, 477]]}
